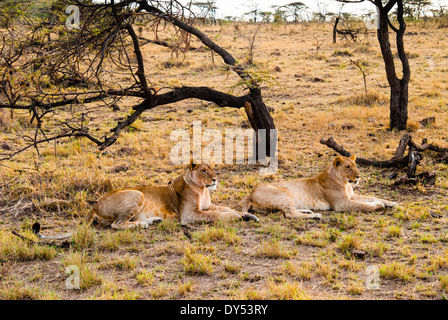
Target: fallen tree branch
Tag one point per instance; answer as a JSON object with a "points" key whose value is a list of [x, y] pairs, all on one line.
{"points": [[399, 160], [162, 43], [424, 178]]}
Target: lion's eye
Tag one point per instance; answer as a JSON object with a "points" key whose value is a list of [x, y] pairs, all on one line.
{"points": [[204, 171]]}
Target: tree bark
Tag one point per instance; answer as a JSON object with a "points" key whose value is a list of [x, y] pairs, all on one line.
{"points": [[335, 28], [398, 87], [398, 160]]}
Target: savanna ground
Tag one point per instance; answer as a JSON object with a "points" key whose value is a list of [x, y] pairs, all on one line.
{"points": [[313, 95]]}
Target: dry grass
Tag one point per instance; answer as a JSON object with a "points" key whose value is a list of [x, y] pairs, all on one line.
{"points": [[278, 258]]}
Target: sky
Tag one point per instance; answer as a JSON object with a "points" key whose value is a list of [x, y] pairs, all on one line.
{"points": [[238, 7]]}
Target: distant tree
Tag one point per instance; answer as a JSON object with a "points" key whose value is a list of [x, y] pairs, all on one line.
{"points": [[399, 87], [254, 10], [321, 14], [296, 9], [414, 8], [280, 13], [440, 12], [207, 10], [266, 16], [335, 28], [230, 18], [253, 15]]}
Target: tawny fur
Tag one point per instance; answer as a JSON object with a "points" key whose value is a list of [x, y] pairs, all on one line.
{"points": [[330, 189], [186, 199]]}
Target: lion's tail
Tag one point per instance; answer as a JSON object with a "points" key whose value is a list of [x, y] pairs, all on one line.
{"points": [[36, 228]]}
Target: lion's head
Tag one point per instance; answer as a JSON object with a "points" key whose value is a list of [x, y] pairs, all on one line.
{"points": [[346, 168], [203, 175]]}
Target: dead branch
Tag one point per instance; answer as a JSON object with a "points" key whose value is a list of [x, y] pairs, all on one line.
{"points": [[399, 160], [162, 43], [423, 178]]}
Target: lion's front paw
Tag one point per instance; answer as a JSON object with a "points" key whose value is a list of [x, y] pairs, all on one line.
{"points": [[154, 220], [142, 224], [316, 216], [378, 204], [307, 211], [249, 216], [390, 204]]}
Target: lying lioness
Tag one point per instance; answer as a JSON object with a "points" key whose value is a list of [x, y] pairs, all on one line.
{"points": [[186, 199], [330, 189]]}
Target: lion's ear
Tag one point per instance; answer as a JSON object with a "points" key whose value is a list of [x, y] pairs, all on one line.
{"points": [[337, 161], [353, 157], [192, 165]]}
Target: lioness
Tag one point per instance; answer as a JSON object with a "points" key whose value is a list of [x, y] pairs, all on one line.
{"points": [[186, 199], [330, 189]]}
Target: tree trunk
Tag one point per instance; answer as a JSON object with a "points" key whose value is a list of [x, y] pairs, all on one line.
{"points": [[335, 28], [260, 118], [399, 106], [398, 87]]}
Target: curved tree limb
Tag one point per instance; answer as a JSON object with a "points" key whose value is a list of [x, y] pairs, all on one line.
{"points": [[399, 160], [394, 162]]}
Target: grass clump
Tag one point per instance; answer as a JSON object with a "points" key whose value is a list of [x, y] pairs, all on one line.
{"points": [[83, 237], [444, 283], [273, 249], [20, 291], [196, 263], [397, 271], [78, 261], [15, 249], [285, 291], [210, 234], [363, 99], [349, 243], [145, 277], [113, 240], [232, 268], [111, 291], [301, 272], [394, 231], [184, 288], [314, 238]]}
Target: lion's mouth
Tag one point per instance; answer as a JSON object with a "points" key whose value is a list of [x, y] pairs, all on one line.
{"points": [[212, 186]]}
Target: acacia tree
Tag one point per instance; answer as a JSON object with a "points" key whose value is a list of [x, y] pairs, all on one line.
{"points": [[296, 9], [62, 76], [415, 8], [398, 86]]}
